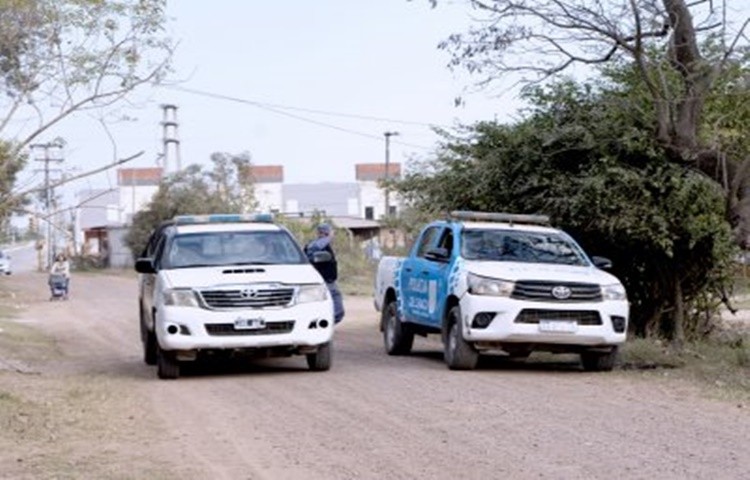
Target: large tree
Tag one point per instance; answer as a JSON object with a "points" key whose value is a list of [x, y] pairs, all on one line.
{"points": [[62, 57], [680, 51]]}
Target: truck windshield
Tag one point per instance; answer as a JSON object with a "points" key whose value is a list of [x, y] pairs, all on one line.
{"points": [[521, 246], [208, 249]]}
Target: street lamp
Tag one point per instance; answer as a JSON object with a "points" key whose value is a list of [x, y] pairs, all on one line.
{"points": [[388, 136]]}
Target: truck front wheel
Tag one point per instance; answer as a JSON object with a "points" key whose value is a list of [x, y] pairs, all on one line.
{"points": [[459, 354], [398, 338], [167, 366], [320, 361], [598, 361]]}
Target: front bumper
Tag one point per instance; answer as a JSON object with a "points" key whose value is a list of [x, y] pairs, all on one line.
{"points": [[562, 322], [188, 328]]}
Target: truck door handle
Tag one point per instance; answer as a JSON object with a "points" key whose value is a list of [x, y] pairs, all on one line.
{"points": [[425, 272], [407, 269]]}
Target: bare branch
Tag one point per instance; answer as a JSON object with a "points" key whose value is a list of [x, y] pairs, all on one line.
{"points": [[79, 176]]}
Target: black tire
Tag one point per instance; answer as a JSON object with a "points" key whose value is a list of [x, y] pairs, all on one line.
{"points": [[398, 337], [320, 361], [598, 361], [148, 340], [167, 366], [458, 353]]}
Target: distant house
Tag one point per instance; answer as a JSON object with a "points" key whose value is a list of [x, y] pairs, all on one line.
{"points": [[268, 181], [102, 216], [372, 198], [136, 187], [360, 199]]}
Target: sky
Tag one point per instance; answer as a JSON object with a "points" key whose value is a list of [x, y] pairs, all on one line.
{"points": [[320, 66]]}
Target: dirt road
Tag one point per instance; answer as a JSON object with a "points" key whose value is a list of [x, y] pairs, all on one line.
{"points": [[90, 408]]}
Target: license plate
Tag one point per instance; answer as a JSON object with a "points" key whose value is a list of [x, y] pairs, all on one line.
{"points": [[558, 326], [249, 324]]}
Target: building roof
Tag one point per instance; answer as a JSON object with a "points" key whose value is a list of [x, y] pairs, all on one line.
{"points": [[139, 176], [375, 171], [267, 173], [353, 223]]}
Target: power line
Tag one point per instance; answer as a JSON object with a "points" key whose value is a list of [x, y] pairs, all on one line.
{"points": [[302, 109], [278, 109]]}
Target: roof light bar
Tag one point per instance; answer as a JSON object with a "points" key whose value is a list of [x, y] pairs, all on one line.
{"points": [[224, 218], [500, 217]]}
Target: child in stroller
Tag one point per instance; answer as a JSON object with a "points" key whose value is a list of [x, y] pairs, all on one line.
{"points": [[59, 278]]}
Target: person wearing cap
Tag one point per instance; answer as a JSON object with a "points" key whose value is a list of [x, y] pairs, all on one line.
{"points": [[328, 270]]}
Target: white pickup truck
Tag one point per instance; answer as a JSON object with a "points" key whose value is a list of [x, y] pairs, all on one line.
{"points": [[230, 284], [501, 282]]}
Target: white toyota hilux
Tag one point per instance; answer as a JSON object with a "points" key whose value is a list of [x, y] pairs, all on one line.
{"points": [[501, 282], [230, 284]]}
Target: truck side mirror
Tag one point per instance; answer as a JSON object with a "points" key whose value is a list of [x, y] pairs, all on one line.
{"points": [[145, 265], [601, 262]]}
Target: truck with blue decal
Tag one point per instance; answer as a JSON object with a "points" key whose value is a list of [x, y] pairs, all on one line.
{"points": [[507, 283]]}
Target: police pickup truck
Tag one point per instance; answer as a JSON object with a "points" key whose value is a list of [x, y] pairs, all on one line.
{"points": [[228, 285], [505, 283]]}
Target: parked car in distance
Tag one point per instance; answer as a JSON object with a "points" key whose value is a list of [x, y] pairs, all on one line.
{"points": [[5, 264]]}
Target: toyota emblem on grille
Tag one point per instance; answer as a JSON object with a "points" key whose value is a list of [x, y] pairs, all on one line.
{"points": [[248, 293], [561, 292]]}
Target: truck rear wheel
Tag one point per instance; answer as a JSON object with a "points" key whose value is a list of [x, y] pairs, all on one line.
{"points": [[458, 353], [167, 366], [398, 337], [320, 361], [148, 339]]}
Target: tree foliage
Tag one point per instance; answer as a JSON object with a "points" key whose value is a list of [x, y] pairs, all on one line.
{"points": [[226, 188], [543, 38], [11, 163], [232, 177], [62, 57]]}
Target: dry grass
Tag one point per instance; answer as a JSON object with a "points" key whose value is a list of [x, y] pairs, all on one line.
{"points": [[720, 364]]}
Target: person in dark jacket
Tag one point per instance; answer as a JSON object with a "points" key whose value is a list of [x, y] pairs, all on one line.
{"points": [[328, 270]]}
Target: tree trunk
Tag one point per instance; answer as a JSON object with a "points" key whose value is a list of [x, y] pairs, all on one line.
{"points": [[696, 79], [678, 316]]}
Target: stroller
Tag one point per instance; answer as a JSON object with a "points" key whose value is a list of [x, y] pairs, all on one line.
{"points": [[58, 286]]}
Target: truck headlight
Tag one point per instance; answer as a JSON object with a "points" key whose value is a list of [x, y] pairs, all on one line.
{"points": [[614, 292], [180, 297], [312, 293], [479, 285]]}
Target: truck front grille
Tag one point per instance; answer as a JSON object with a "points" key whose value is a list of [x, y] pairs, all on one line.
{"points": [[227, 329], [247, 297], [544, 291], [582, 317]]}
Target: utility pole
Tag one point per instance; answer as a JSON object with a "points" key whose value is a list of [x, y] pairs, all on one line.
{"points": [[388, 136], [47, 158]]}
